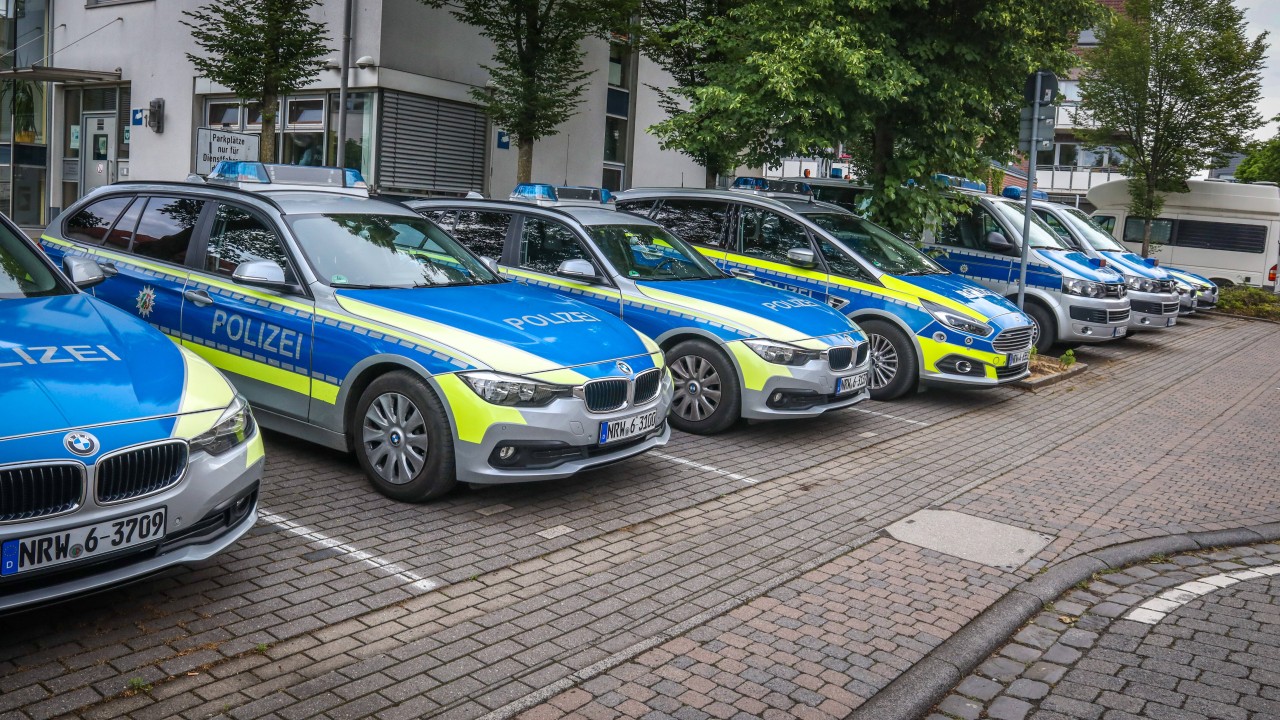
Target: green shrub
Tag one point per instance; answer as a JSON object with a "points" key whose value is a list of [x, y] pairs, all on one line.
{"points": [[1251, 301]]}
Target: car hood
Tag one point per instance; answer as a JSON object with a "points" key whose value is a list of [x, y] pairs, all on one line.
{"points": [[72, 362], [751, 309], [1073, 263], [1192, 276], [509, 327], [949, 290], [1133, 264]]}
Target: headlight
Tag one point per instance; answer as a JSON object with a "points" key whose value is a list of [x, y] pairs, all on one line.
{"points": [[1083, 288], [782, 353], [1141, 284], [502, 389], [953, 319], [234, 427]]}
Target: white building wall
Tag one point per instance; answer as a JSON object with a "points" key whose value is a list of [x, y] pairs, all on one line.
{"points": [[653, 166]]}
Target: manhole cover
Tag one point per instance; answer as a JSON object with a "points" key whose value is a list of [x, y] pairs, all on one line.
{"points": [[983, 541]]}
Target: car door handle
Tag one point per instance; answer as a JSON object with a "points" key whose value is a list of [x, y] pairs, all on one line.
{"points": [[109, 269], [199, 297], [739, 272]]}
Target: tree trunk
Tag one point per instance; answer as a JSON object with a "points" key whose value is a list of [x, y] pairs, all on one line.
{"points": [[267, 143], [881, 153], [524, 162], [711, 177], [1146, 224]]}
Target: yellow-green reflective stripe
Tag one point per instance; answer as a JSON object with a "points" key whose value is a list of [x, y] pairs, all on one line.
{"points": [[755, 370], [904, 298], [472, 415], [920, 292], [205, 395], [562, 282], [932, 351], [324, 391], [510, 358], [269, 374], [255, 450], [756, 324]]}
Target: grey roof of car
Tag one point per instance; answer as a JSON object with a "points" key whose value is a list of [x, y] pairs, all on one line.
{"points": [[584, 214], [305, 202], [793, 204]]}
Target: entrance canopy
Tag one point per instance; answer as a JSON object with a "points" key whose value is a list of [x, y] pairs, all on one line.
{"points": [[66, 76]]}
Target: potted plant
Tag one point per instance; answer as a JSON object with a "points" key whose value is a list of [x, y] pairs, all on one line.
{"points": [[24, 96]]}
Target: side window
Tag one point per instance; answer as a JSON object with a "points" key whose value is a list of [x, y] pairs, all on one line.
{"points": [[767, 235], [638, 207], [544, 244], [1057, 226], [1233, 237], [701, 222], [968, 229], [237, 237], [91, 224], [484, 233], [1106, 222], [841, 264], [1161, 230], [165, 228], [122, 233], [443, 218]]}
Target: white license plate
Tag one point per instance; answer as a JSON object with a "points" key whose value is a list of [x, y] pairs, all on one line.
{"points": [[1122, 330], [628, 427], [851, 383], [41, 551], [1018, 358]]}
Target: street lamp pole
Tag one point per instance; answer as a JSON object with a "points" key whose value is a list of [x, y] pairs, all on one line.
{"points": [[345, 70]]}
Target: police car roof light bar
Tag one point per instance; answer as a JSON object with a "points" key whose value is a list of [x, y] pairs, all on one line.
{"points": [[546, 194], [771, 187], [964, 183], [1015, 193], [229, 172]]}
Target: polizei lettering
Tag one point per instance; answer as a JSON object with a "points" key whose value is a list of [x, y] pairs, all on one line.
{"points": [[257, 334], [54, 354], [545, 319], [792, 303]]}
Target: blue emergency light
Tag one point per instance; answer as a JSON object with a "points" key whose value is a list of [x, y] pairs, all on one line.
{"points": [[548, 193], [230, 171], [771, 185], [960, 182], [1015, 193]]}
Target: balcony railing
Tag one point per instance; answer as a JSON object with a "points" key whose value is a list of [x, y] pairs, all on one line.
{"points": [[1051, 178]]}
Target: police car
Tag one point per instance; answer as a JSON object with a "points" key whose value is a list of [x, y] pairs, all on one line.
{"points": [[356, 324], [924, 323], [1197, 291], [736, 348], [120, 452], [1153, 292]]}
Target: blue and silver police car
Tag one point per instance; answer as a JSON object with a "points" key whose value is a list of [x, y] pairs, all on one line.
{"points": [[736, 348], [355, 323], [121, 453]]}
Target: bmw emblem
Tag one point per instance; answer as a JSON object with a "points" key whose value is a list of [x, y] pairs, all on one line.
{"points": [[80, 443], [624, 368]]}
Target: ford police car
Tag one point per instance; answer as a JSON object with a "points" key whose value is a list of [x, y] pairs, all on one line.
{"points": [[923, 323], [356, 324], [735, 348], [121, 453]]}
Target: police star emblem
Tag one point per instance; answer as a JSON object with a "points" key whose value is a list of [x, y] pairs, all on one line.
{"points": [[146, 301]]}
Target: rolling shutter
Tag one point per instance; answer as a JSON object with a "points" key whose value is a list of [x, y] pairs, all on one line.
{"points": [[431, 144]]}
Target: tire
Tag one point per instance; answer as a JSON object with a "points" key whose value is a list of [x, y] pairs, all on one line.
{"points": [[1046, 327], [401, 436], [895, 365], [708, 397]]}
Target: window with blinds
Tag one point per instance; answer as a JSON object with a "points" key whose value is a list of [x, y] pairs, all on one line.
{"points": [[429, 144]]}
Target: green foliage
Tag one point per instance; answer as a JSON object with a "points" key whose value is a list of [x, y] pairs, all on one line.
{"points": [[1262, 163], [1251, 301], [1067, 359], [137, 685], [261, 50], [916, 86], [537, 73], [1174, 85]]}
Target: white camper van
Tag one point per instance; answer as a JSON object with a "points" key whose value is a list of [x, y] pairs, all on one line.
{"points": [[1227, 232]]}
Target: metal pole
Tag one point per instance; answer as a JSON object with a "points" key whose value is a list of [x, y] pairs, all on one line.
{"points": [[345, 62], [1031, 183]]}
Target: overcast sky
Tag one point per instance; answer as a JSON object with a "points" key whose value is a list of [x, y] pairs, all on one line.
{"points": [[1265, 15]]}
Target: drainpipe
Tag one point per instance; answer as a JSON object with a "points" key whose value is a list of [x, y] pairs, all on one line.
{"points": [[345, 62]]}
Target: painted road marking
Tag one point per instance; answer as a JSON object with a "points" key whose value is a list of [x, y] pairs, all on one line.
{"points": [[704, 468], [1155, 609], [365, 558], [892, 417]]}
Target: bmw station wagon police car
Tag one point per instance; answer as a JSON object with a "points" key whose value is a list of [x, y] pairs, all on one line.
{"points": [[357, 324], [120, 452], [736, 349], [923, 323], [1153, 293]]}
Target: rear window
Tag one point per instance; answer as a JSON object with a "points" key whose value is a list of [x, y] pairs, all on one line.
{"points": [[91, 224]]}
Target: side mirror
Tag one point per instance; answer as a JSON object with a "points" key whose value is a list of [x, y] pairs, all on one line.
{"points": [[578, 269], [802, 257], [997, 242], [264, 273], [84, 273], [491, 264]]}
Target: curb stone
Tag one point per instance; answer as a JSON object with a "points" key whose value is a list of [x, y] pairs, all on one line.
{"points": [[913, 693], [1028, 384], [1239, 317]]}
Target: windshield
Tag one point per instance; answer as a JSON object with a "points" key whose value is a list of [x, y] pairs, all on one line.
{"points": [[385, 251], [22, 273], [647, 252], [1042, 236], [884, 250], [1086, 228]]}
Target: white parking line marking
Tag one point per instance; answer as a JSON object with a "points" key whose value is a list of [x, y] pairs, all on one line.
{"points": [[892, 417], [366, 558], [705, 468], [1155, 609]]}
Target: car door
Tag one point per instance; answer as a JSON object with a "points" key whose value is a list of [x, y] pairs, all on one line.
{"points": [[261, 338], [763, 237], [959, 245], [542, 244]]}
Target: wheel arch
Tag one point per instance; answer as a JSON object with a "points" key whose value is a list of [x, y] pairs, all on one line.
{"points": [[886, 316], [364, 373]]}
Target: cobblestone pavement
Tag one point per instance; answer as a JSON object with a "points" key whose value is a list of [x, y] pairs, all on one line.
{"points": [[1190, 637], [743, 574]]}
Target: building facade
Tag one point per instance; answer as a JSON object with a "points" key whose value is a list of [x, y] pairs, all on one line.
{"points": [[108, 67]]}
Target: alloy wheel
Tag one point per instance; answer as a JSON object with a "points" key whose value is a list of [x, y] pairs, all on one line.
{"points": [[395, 438], [697, 388], [884, 361]]}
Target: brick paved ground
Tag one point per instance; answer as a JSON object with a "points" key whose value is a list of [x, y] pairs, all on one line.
{"points": [[752, 582], [1216, 655]]}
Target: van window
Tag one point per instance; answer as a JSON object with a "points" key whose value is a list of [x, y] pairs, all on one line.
{"points": [[90, 225], [969, 229], [1233, 237], [701, 222], [1161, 230], [1056, 225], [1106, 222]]}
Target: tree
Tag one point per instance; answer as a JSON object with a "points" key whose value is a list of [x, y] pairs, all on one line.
{"points": [[537, 74], [1174, 85], [1262, 163], [261, 50], [916, 87]]}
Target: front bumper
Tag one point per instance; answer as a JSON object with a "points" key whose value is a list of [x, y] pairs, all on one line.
{"points": [[947, 362], [1153, 311], [214, 504], [772, 391], [555, 441], [1207, 299], [1093, 320]]}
